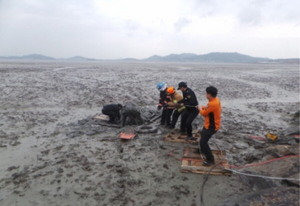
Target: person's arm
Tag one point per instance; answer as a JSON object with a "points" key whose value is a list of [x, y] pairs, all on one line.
{"points": [[205, 110]]}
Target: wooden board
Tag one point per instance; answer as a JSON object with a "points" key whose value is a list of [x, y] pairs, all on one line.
{"points": [[192, 162], [101, 117], [127, 136], [175, 136]]}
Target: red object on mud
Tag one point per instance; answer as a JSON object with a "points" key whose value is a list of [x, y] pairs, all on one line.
{"points": [[124, 135]]}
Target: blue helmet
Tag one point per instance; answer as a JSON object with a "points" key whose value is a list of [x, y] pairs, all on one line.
{"points": [[161, 86]]}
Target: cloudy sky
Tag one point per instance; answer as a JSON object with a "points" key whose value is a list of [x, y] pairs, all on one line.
{"points": [[109, 29]]}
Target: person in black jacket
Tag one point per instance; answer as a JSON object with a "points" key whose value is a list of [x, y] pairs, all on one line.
{"points": [[113, 111], [191, 111]]}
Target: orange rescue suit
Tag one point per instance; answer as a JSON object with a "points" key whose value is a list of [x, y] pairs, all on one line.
{"points": [[212, 113]]}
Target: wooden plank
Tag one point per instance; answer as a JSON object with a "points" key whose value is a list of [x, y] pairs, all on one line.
{"points": [[192, 162], [101, 117], [175, 136], [102, 123]]}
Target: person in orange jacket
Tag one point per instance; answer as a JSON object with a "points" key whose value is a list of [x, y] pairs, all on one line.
{"points": [[212, 114]]}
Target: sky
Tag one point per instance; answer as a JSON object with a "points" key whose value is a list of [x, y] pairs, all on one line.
{"points": [[113, 29]]}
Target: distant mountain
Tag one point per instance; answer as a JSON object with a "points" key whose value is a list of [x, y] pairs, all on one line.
{"points": [[28, 57], [129, 59], [155, 58], [211, 57], [79, 58], [215, 57]]}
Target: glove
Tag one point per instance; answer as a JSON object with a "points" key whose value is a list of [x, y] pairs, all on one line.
{"points": [[181, 109]]}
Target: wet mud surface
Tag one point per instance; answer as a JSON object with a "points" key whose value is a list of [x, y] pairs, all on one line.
{"points": [[54, 153]]}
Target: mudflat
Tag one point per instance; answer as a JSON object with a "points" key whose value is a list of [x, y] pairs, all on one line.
{"points": [[53, 153]]}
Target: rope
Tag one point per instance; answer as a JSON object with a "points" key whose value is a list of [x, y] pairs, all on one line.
{"points": [[262, 176], [171, 154], [205, 179], [262, 163]]}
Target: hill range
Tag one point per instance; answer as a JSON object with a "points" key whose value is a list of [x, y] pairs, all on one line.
{"points": [[214, 57]]}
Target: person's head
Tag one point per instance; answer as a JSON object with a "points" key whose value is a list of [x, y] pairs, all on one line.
{"points": [[171, 90], [120, 106], [182, 86], [211, 92], [161, 86]]}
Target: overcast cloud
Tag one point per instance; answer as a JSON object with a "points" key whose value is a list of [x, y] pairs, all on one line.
{"points": [[109, 29]]}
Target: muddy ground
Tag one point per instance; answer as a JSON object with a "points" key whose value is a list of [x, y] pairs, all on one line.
{"points": [[53, 153]]}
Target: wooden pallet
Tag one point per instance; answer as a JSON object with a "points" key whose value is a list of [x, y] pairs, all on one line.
{"points": [[192, 162], [175, 136]]}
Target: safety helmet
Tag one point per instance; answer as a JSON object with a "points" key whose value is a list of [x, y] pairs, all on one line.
{"points": [[171, 90], [161, 86]]}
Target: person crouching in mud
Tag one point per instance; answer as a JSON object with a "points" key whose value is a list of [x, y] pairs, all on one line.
{"points": [[212, 114], [131, 114], [113, 111]]}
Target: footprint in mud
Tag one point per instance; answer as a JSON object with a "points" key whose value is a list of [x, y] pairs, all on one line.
{"points": [[14, 143], [181, 190], [166, 166], [58, 148], [163, 194], [13, 168]]}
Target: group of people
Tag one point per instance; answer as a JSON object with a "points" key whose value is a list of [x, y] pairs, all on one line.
{"points": [[175, 103], [183, 101]]}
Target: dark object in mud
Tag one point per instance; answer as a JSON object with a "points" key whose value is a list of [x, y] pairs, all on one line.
{"points": [[131, 114], [146, 129]]}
